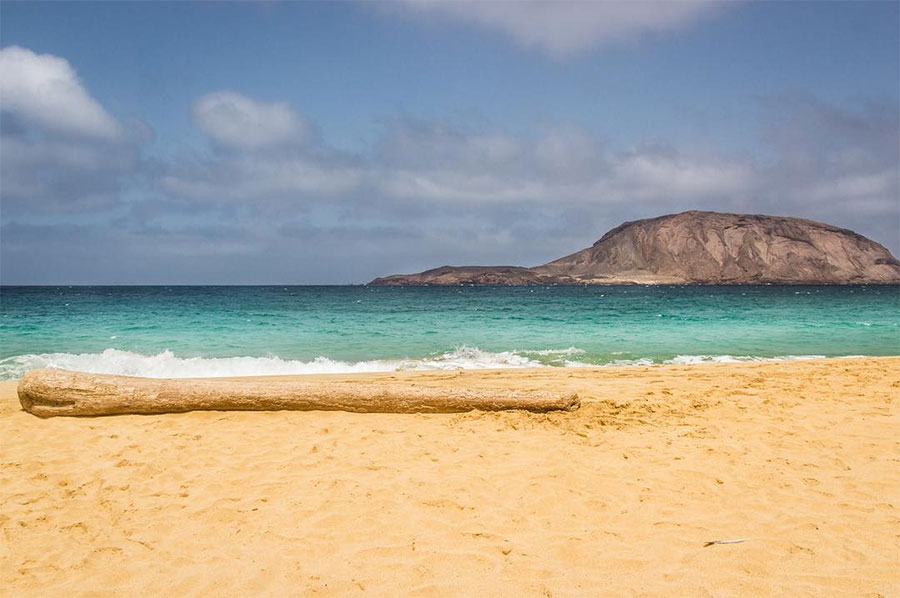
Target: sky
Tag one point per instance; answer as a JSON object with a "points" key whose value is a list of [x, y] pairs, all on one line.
{"points": [[333, 142]]}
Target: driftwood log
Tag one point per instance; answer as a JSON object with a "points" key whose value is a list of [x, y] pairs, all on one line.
{"points": [[48, 393]]}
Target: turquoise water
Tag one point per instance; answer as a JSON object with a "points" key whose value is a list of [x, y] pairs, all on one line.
{"points": [[197, 331]]}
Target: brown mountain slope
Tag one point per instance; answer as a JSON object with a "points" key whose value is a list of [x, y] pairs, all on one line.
{"points": [[699, 248]]}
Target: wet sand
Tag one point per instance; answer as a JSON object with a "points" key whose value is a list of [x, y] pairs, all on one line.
{"points": [[619, 498]]}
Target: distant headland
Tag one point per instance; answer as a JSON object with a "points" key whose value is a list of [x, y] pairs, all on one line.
{"points": [[696, 248]]}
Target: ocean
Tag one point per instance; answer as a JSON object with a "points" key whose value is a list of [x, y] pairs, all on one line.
{"points": [[185, 331]]}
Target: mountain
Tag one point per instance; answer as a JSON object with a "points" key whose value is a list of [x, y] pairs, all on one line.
{"points": [[696, 248]]}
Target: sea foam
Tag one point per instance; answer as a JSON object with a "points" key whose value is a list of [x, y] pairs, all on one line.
{"points": [[167, 365]]}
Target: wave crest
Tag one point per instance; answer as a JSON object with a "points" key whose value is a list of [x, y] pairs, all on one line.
{"points": [[167, 365]]}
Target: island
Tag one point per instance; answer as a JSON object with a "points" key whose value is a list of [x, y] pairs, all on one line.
{"points": [[695, 247]]}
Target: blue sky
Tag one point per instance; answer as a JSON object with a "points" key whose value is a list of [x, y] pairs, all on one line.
{"points": [[334, 142]]}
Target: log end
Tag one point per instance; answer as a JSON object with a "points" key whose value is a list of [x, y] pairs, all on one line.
{"points": [[572, 403], [37, 392]]}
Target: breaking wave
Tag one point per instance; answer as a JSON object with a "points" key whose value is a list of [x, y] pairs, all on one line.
{"points": [[167, 365]]}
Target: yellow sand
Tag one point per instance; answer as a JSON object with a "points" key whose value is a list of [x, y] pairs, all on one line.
{"points": [[616, 499]]}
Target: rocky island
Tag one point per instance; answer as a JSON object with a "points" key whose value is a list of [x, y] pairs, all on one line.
{"points": [[696, 248]]}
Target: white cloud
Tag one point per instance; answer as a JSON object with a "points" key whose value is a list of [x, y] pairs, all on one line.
{"points": [[460, 186], [414, 144], [674, 175], [563, 28], [236, 121], [567, 151], [273, 156], [59, 149], [254, 179], [44, 90]]}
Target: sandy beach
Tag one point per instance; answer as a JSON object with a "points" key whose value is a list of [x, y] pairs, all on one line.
{"points": [[800, 459]]}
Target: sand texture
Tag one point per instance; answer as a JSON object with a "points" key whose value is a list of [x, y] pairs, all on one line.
{"points": [[617, 498], [51, 393]]}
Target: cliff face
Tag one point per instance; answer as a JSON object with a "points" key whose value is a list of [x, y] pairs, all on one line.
{"points": [[699, 248]]}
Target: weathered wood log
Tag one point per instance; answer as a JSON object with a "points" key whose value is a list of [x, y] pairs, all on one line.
{"points": [[48, 393]]}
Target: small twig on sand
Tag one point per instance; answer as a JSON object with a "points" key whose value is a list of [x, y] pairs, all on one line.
{"points": [[735, 541]]}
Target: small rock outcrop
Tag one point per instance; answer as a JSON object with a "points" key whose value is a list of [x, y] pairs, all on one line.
{"points": [[697, 248]]}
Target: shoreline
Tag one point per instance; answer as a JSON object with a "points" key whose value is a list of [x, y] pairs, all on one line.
{"points": [[799, 458], [402, 365]]}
